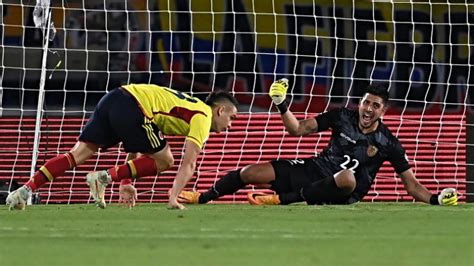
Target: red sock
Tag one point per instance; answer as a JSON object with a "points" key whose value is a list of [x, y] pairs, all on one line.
{"points": [[51, 169], [142, 166]]}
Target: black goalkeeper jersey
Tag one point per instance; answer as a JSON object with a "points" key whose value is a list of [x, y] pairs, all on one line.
{"points": [[351, 149]]}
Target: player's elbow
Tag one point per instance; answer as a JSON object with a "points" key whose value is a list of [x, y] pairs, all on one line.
{"points": [[295, 132], [189, 165], [192, 165]]}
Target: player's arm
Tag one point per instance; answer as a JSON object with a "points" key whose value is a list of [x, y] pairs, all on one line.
{"points": [[185, 172], [448, 196], [298, 127], [414, 187], [294, 126]]}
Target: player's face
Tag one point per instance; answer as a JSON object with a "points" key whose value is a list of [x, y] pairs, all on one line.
{"points": [[223, 117], [371, 108]]}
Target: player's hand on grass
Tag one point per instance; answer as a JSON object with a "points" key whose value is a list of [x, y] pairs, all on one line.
{"points": [[278, 91], [173, 204], [448, 196], [127, 195]]}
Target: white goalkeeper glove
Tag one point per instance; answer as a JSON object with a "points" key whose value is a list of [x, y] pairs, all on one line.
{"points": [[448, 196], [278, 91]]}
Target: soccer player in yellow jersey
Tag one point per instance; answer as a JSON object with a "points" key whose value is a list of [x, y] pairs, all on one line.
{"points": [[139, 115]]}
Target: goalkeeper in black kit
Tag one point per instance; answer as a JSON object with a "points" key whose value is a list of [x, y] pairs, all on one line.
{"points": [[344, 171]]}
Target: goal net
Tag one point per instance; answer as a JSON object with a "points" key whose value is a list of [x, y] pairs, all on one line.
{"points": [[53, 75]]}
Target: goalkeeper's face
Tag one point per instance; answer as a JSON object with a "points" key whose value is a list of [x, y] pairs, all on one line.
{"points": [[222, 117], [371, 108]]}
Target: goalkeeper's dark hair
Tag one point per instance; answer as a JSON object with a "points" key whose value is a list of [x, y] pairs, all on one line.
{"points": [[379, 90], [220, 97]]}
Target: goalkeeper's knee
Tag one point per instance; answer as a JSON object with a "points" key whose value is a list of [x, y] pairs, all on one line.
{"points": [[345, 181]]}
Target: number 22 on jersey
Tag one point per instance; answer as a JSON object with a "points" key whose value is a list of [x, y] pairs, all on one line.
{"points": [[347, 161]]}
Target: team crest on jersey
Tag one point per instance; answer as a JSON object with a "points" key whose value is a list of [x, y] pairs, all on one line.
{"points": [[372, 151]]}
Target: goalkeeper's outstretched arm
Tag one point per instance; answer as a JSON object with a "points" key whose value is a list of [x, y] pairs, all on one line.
{"points": [[448, 196]]}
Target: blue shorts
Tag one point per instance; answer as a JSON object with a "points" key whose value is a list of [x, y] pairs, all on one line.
{"points": [[118, 118]]}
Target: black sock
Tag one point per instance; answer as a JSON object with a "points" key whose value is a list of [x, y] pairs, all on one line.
{"points": [[228, 184], [287, 198], [324, 191]]}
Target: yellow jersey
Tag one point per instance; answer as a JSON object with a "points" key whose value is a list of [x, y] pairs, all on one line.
{"points": [[174, 112]]}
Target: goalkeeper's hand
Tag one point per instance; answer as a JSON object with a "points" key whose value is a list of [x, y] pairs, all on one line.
{"points": [[278, 91], [448, 196]]}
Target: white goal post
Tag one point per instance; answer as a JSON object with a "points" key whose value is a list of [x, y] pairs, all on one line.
{"points": [[329, 50]]}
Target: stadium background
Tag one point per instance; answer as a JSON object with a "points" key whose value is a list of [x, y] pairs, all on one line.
{"points": [[243, 46]]}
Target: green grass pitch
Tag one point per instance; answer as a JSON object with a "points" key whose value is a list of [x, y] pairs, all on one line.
{"points": [[149, 234]]}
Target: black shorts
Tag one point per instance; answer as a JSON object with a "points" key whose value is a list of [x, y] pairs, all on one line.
{"points": [[292, 175], [118, 118]]}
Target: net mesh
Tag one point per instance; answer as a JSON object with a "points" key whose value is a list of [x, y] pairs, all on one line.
{"points": [[329, 51]]}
